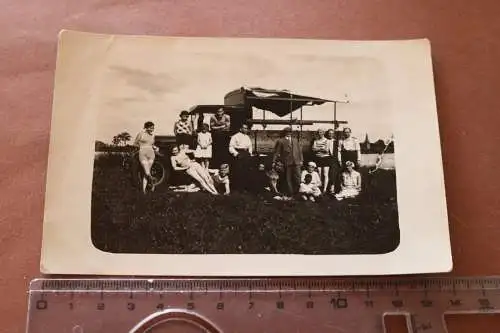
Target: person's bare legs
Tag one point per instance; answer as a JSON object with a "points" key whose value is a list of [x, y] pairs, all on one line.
{"points": [[320, 173], [194, 172], [326, 178], [196, 177], [205, 174], [146, 165]]}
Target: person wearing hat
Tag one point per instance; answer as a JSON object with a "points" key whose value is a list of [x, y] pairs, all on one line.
{"points": [[289, 152], [350, 185], [311, 170], [308, 190], [183, 130]]}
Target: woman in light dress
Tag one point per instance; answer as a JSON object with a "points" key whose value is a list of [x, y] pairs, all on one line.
{"points": [[203, 150], [145, 142], [182, 162], [350, 186]]}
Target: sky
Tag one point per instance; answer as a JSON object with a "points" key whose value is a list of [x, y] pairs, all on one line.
{"points": [[148, 83]]}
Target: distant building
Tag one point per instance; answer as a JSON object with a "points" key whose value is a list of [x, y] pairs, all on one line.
{"points": [[365, 145], [376, 147]]}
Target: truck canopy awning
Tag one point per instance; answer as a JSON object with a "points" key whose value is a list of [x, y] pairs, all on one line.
{"points": [[279, 102], [210, 108]]}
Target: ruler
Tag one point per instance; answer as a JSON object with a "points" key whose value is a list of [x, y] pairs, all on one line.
{"points": [[304, 305]]}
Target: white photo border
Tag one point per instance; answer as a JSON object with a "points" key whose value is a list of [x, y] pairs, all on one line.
{"points": [[424, 230]]}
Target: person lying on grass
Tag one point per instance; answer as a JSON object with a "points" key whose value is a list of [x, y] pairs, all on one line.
{"points": [[309, 190], [350, 186], [182, 162]]}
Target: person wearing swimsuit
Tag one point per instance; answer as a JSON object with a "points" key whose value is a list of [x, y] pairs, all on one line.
{"points": [[323, 149], [145, 142], [182, 162]]}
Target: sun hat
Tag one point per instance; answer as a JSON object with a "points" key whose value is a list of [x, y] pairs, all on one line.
{"points": [[311, 164]]}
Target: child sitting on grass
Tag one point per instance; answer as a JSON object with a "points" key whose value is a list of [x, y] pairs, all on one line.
{"points": [[311, 170], [221, 180], [308, 189]]}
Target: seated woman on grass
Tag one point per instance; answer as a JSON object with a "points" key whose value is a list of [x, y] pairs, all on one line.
{"points": [[182, 162], [350, 186]]}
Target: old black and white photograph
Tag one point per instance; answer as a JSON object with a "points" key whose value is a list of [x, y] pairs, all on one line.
{"points": [[248, 147], [266, 171]]}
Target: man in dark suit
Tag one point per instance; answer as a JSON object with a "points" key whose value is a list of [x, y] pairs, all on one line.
{"points": [[289, 152]]}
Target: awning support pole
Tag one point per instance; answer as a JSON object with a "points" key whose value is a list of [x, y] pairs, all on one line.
{"points": [[301, 126], [335, 125], [301, 118]]}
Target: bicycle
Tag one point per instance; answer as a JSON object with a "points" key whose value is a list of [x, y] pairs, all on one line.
{"points": [[158, 170]]}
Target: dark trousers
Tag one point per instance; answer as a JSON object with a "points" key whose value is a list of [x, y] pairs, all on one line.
{"points": [[184, 139], [220, 148], [292, 178], [349, 155], [334, 175], [240, 169]]}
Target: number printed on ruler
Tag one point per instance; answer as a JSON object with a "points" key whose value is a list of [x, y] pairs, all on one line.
{"points": [[303, 305]]}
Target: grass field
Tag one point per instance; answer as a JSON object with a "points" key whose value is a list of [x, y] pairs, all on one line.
{"points": [[126, 221]]}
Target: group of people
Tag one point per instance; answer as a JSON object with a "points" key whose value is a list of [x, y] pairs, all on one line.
{"points": [[332, 170], [337, 158]]}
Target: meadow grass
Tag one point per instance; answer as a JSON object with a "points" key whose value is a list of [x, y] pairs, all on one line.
{"points": [[126, 221]]}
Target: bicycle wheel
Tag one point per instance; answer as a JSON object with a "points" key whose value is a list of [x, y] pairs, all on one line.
{"points": [[158, 173]]}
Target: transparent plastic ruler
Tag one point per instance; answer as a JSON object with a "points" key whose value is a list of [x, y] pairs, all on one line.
{"points": [[307, 305]]}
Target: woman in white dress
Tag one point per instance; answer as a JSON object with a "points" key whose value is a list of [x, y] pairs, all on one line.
{"points": [[182, 162], [145, 142], [203, 150]]}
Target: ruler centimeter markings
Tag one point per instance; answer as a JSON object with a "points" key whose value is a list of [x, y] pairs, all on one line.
{"points": [[254, 305]]}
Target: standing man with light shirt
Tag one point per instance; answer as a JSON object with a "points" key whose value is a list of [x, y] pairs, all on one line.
{"points": [[240, 147], [349, 149]]}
